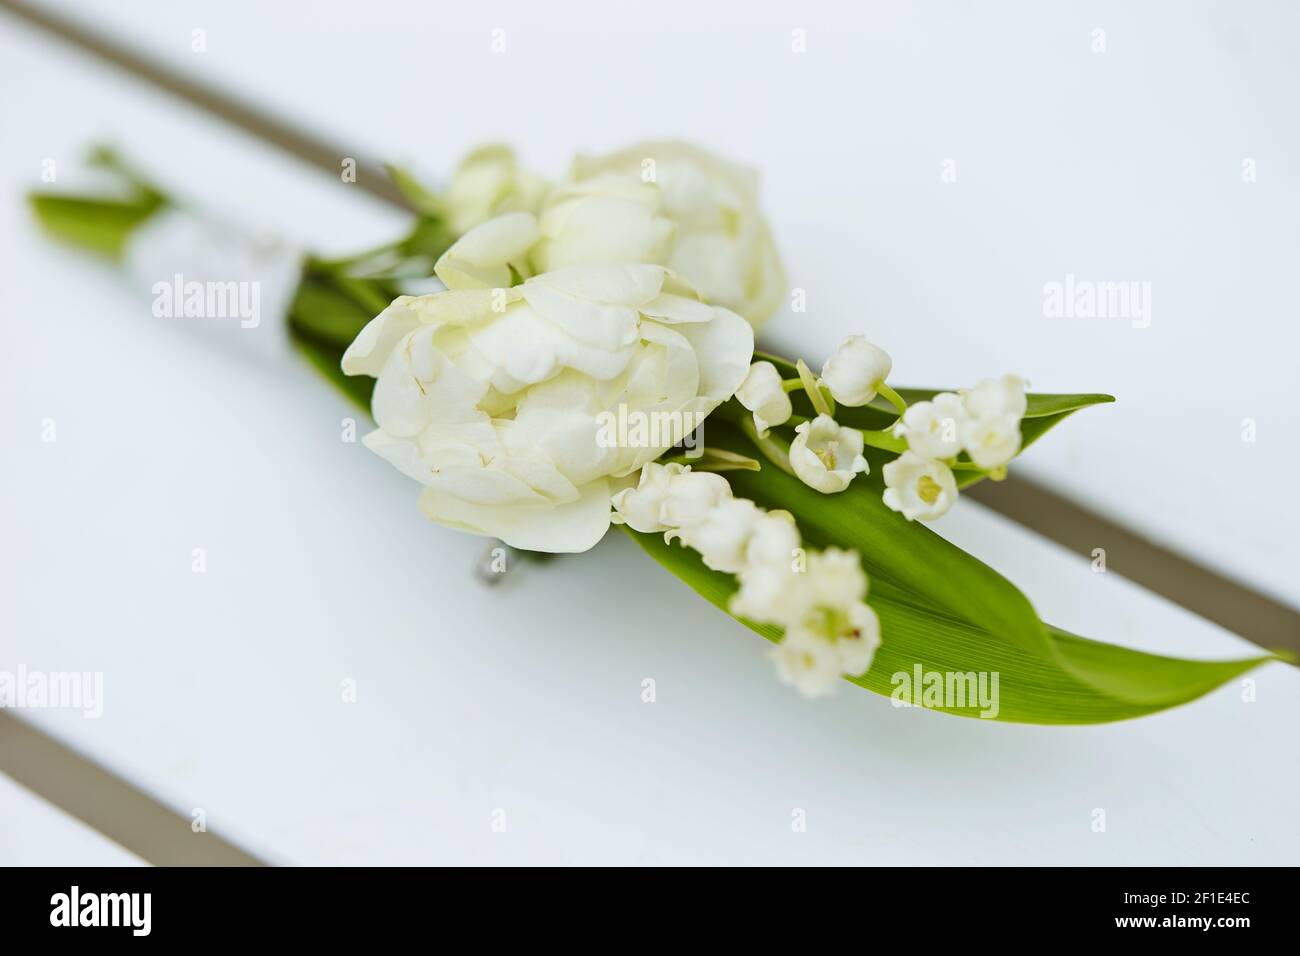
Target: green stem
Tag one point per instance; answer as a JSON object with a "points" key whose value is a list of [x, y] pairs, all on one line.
{"points": [[885, 440], [345, 262], [770, 449], [820, 398], [894, 398]]}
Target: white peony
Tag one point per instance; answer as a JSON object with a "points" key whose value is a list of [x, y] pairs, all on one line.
{"points": [[487, 183], [492, 397], [670, 204], [826, 455]]}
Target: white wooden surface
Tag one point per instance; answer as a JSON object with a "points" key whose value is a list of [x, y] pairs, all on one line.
{"points": [[223, 689], [36, 834]]}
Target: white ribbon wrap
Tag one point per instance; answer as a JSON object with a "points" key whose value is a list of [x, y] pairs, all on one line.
{"points": [[230, 283]]}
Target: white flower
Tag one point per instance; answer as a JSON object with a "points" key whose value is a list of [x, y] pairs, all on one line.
{"points": [[492, 398], [992, 440], [491, 254], [669, 496], [809, 663], [918, 487], [768, 578], [819, 602], [826, 455], [933, 428], [997, 396], [692, 496], [855, 370], [641, 508], [774, 541], [857, 642], [670, 204], [835, 579], [723, 536], [763, 394], [991, 434], [489, 182]]}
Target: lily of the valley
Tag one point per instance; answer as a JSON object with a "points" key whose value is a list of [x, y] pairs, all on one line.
{"points": [[817, 597], [933, 429], [919, 487], [855, 371], [669, 496], [997, 396], [764, 394], [991, 432], [826, 455]]}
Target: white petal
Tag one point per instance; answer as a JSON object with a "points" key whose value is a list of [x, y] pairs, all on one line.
{"points": [[480, 259], [587, 230], [525, 349], [374, 343], [567, 528], [723, 348]]}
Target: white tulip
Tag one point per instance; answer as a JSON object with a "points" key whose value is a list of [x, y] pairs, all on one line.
{"points": [[992, 440], [764, 395], [489, 182], [825, 455], [493, 398], [491, 254], [934, 429], [855, 370], [670, 204], [919, 487]]}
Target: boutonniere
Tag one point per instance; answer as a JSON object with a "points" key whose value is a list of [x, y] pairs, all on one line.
{"points": [[553, 361]]}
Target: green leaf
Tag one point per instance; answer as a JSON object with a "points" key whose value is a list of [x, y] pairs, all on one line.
{"points": [[1077, 682], [326, 314], [323, 311], [102, 226], [326, 358], [946, 611]]}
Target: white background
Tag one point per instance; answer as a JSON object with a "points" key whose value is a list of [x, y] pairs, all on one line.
{"points": [[223, 689]]}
